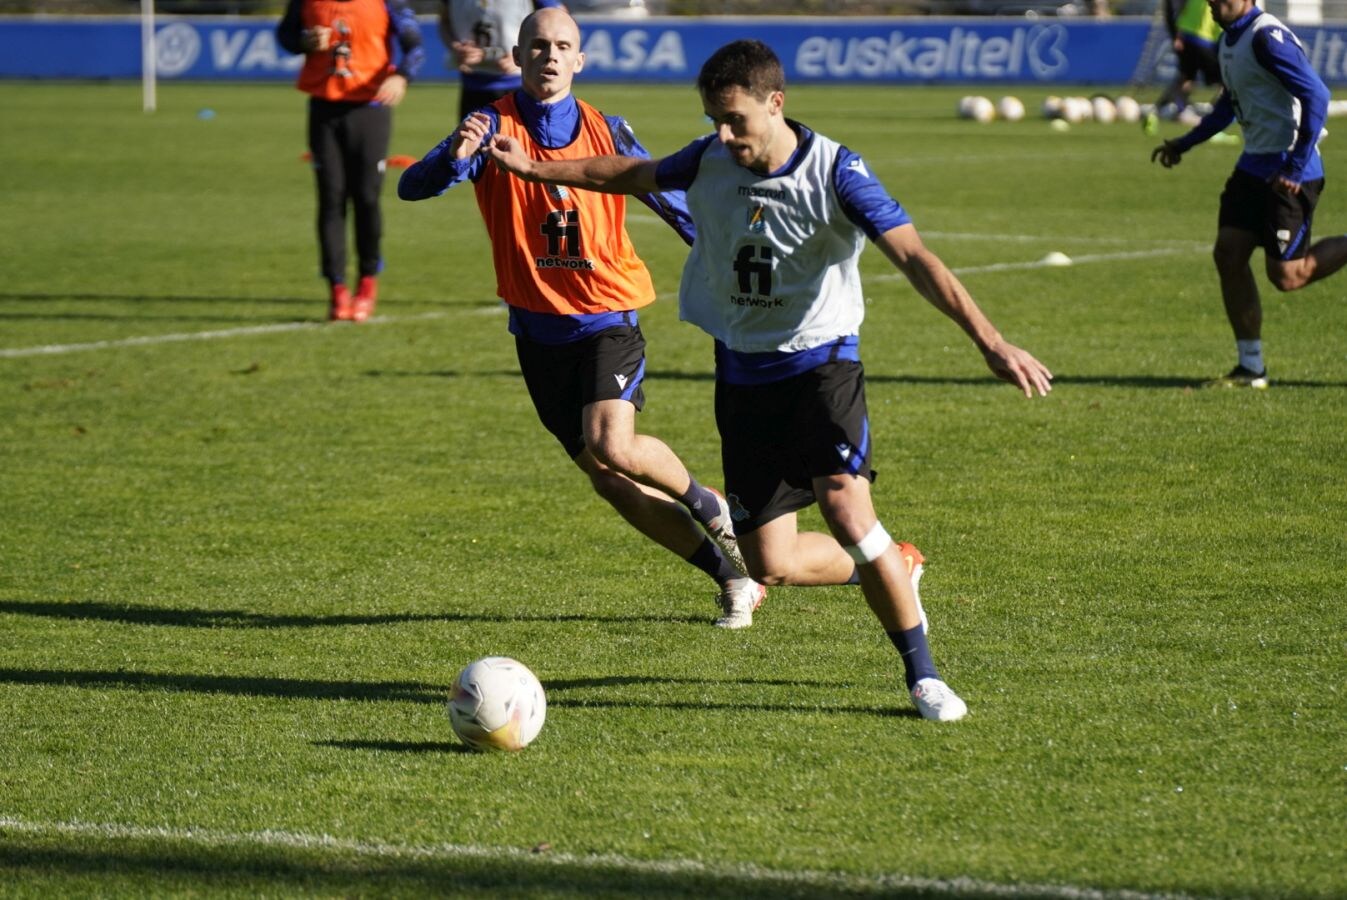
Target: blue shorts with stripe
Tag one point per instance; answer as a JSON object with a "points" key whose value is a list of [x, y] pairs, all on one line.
{"points": [[1280, 220], [777, 437], [563, 379]]}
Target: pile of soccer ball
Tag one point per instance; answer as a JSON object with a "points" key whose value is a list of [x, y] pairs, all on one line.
{"points": [[1071, 110], [496, 703]]}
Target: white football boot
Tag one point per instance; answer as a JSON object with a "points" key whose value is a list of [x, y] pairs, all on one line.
{"points": [[738, 599], [721, 530], [937, 700]]}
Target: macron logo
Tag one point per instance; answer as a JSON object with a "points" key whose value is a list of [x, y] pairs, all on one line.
{"points": [[859, 165], [621, 381], [1277, 36]]}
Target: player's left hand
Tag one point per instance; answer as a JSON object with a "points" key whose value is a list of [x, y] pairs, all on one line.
{"points": [[1283, 185], [509, 155], [1167, 155], [391, 91], [1018, 367]]}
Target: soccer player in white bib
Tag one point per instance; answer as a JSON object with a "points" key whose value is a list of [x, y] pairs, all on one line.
{"points": [[1269, 199], [782, 215]]}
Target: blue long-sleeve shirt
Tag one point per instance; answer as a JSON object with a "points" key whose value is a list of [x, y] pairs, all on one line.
{"points": [[1285, 60]]}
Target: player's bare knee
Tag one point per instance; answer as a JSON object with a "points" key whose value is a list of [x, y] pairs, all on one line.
{"points": [[611, 452], [770, 576], [607, 483], [1288, 277]]}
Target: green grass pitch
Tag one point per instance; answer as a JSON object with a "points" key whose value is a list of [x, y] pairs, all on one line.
{"points": [[243, 552]]}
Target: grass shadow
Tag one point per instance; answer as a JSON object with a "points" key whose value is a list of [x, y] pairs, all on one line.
{"points": [[420, 692], [212, 864], [1157, 382], [130, 614], [398, 746]]}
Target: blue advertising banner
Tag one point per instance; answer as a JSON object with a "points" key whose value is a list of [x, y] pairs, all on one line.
{"points": [[881, 51]]}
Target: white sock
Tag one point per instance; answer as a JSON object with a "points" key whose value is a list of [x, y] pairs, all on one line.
{"points": [[1250, 354]]}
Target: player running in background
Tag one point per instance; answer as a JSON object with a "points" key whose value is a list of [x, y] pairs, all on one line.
{"points": [[479, 35], [1194, 34], [353, 85], [573, 284], [1269, 199], [782, 215]]}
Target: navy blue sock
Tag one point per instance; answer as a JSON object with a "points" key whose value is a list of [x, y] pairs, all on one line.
{"points": [[855, 577], [700, 502], [916, 654], [710, 560]]}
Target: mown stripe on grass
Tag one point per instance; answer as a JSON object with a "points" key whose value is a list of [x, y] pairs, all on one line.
{"points": [[806, 878]]}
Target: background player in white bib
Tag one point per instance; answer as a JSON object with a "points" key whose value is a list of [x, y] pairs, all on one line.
{"points": [[479, 36], [1269, 200], [782, 215]]}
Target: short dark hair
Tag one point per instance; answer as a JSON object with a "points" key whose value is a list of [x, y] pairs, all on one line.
{"points": [[750, 65]]}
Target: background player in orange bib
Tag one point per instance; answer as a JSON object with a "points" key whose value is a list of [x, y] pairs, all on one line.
{"points": [[353, 83]]}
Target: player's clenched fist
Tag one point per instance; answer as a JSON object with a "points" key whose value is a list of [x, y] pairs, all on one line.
{"points": [[470, 134]]}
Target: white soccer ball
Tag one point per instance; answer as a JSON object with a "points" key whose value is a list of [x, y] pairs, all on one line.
{"points": [[984, 110], [966, 106], [1052, 107], [497, 704], [1010, 108], [1128, 110], [1104, 110]]}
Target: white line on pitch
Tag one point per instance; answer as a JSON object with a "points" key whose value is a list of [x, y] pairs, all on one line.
{"points": [[149, 339], [1061, 239], [1041, 264], [601, 862]]}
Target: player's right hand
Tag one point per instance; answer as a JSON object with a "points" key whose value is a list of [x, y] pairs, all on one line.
{"points": [[1167, 155], [466, 54], [316, 39], [470, 134]]}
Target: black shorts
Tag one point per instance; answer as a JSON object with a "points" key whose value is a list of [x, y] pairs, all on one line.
{"points": [[1281, 221], [776, 438], [565, 378], [1197, 59]]}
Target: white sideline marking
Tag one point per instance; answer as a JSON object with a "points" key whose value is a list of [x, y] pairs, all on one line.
{"points": [[271, 838], [1040, 264], [1063, 239], [53, 349]]}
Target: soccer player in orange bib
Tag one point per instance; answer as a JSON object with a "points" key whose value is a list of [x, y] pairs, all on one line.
{"points": [[573, 283], [353, 84]]}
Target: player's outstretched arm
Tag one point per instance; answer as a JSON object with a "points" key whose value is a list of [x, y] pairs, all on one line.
{"points": [[934, 281], [605, 174]]}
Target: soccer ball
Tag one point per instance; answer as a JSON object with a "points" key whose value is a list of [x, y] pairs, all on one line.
{"points": [[1104, 109], [977, 108], [497, 704], [983, 110], [1010, 108]]}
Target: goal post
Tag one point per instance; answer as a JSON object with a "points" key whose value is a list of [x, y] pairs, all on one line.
{"points": [[148, 57]]}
